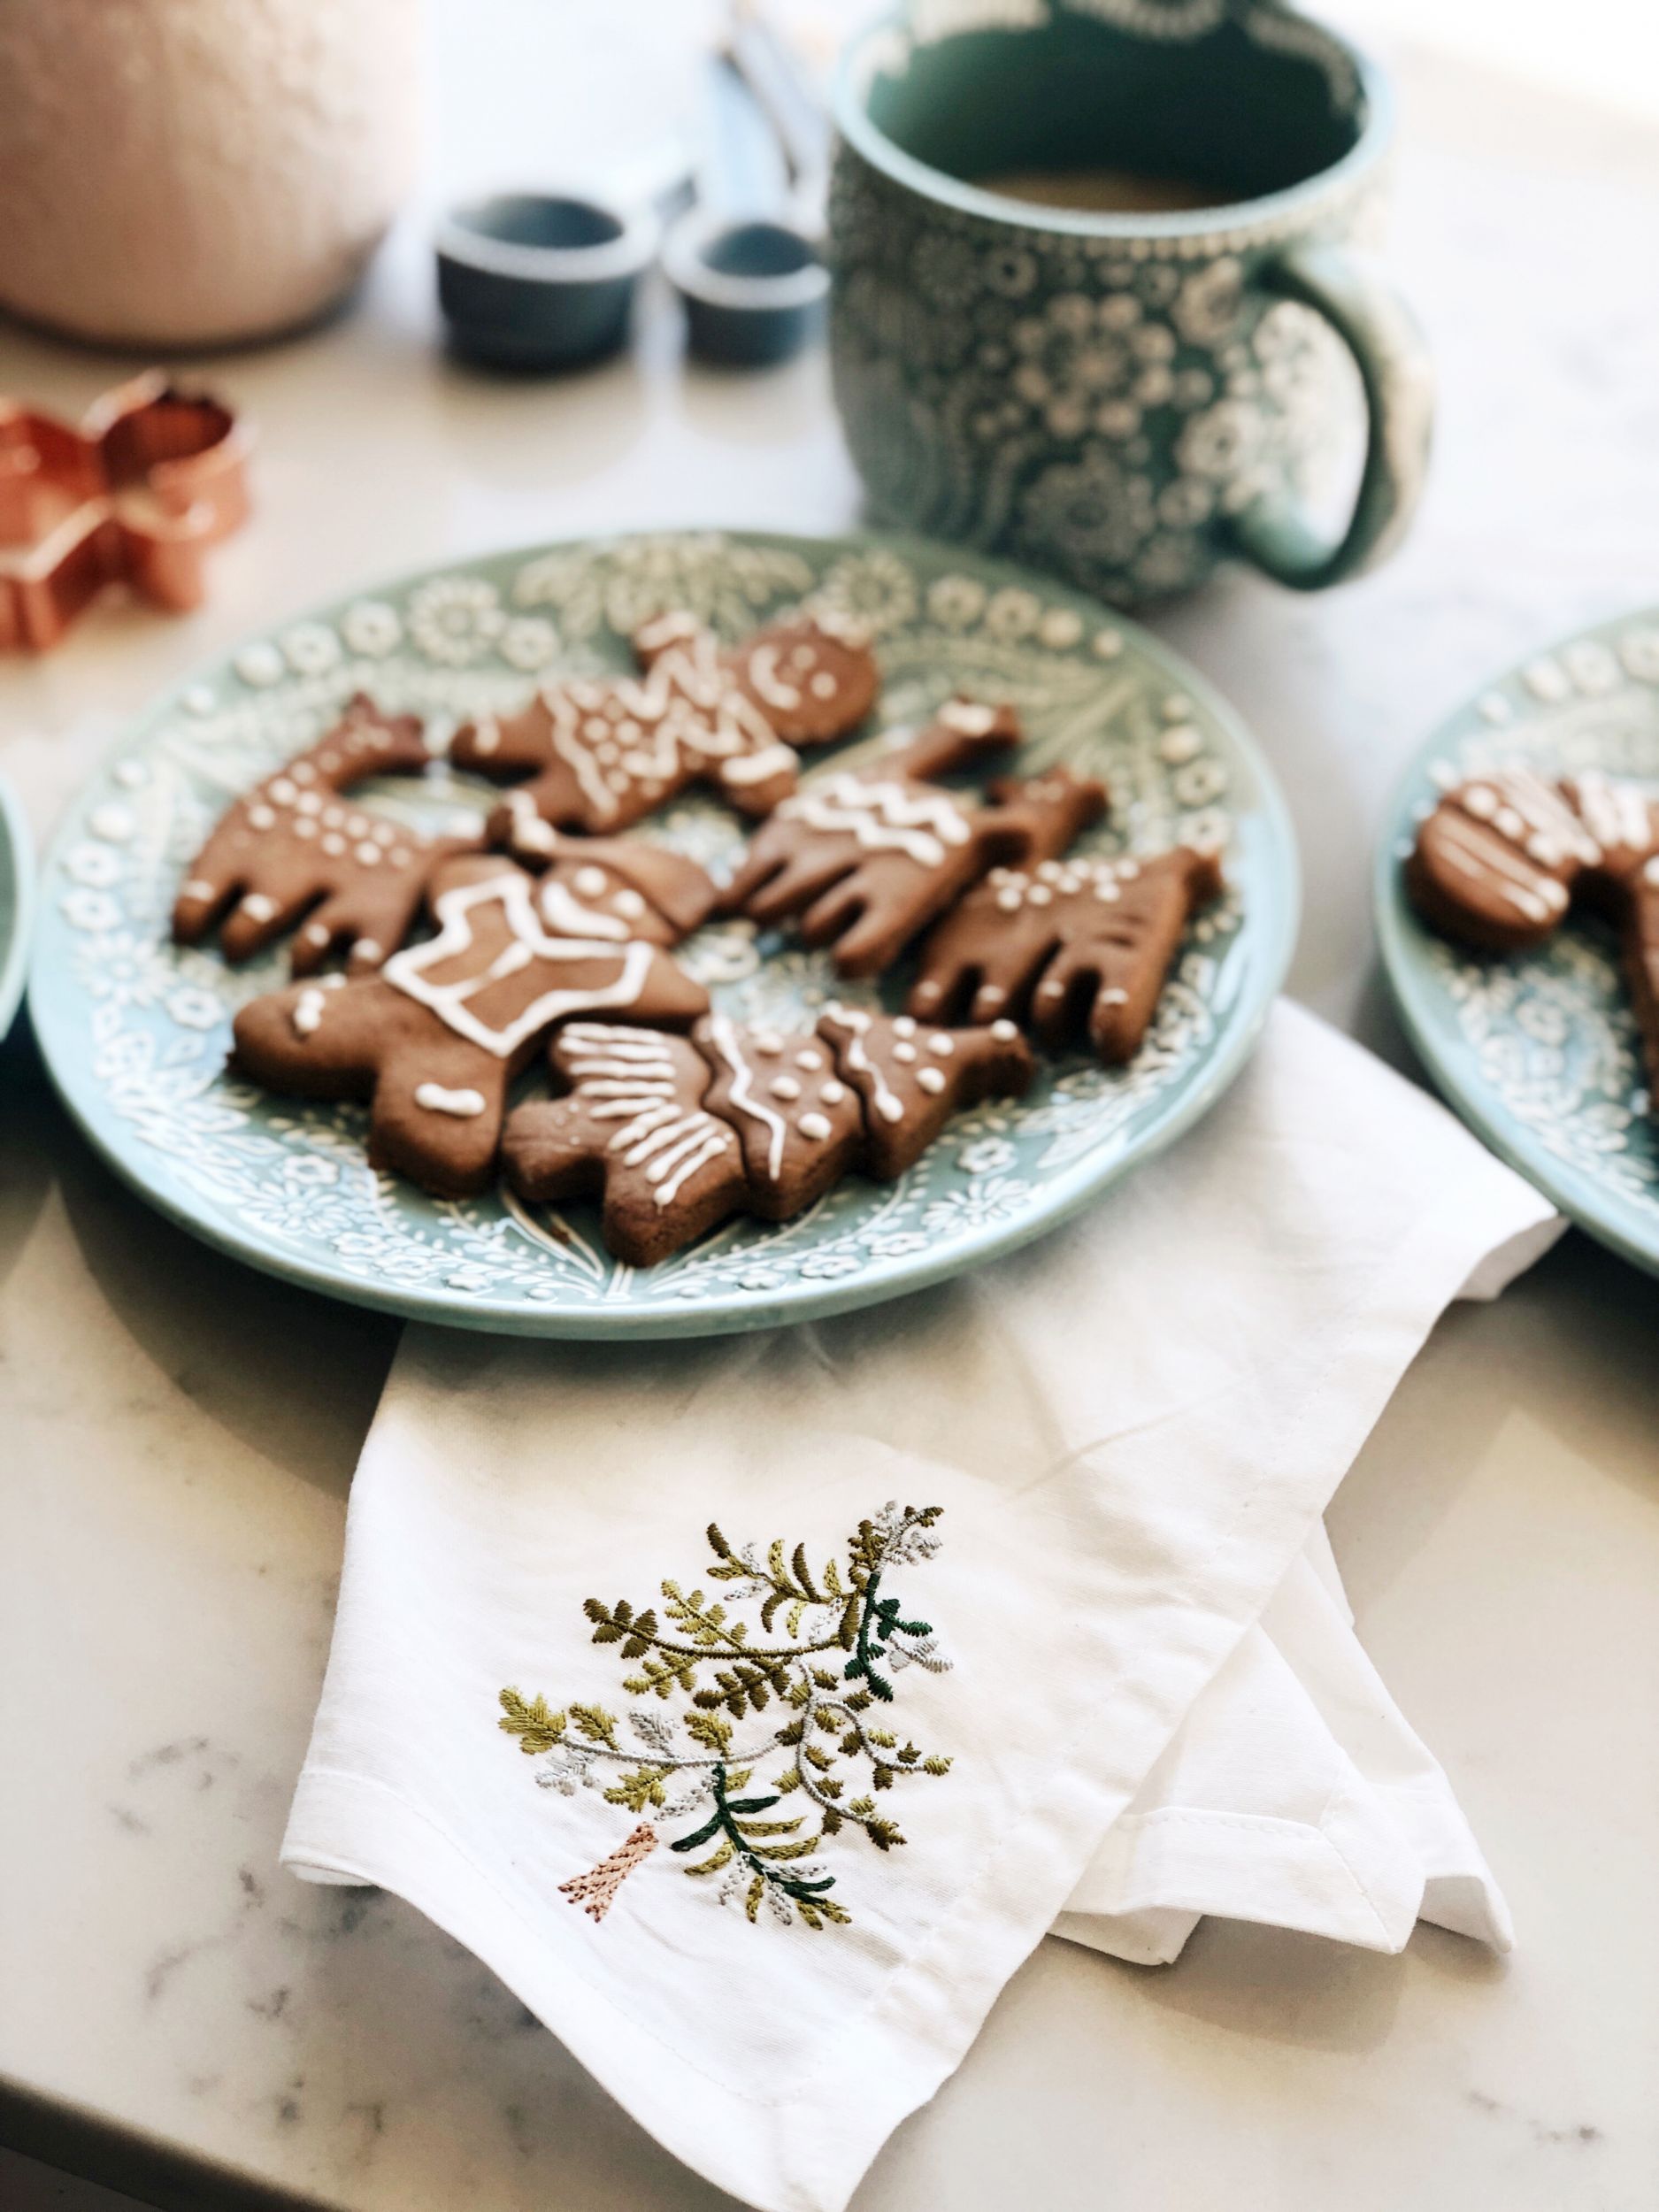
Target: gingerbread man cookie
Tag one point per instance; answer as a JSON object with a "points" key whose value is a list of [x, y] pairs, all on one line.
{"points": [[633, 1132], [865, 858], [1494, 864], [434, 1041], [295, 851], [677, 1137], [1071, 946], [604, 752]]}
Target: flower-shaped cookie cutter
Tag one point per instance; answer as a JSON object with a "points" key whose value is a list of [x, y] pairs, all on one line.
{"points": [[151, 477]]}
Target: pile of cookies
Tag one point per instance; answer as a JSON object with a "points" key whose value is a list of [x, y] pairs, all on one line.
{"points": [[554, 931], [1502, 859]]}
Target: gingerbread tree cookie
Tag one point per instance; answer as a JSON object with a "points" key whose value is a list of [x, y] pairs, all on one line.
{"points": [[602, 753], [1072, 946], [678, 1137], [434, 1041], [294, 850], [864, 858]]}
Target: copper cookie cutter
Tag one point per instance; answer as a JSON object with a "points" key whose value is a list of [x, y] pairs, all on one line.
{"points": [[135, 495]]}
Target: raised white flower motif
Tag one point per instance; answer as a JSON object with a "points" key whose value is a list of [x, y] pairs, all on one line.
{"points": [[528, 642], [1089, 510], [194, 1009], [876, 589], [1547, 680], [1639, 650], [1592, 666], [371, 628], [825, 1266], [987, 1155], [956, 602], [452, 619], [1221, 441], [260, 664], [1200, 782], [1060, 628], [1010, 271], [1068, 360], [1207, 306], [1013, 612], [310, 649], [96, 864], [1186, 501], [898, 1244], [90, 909], [310, 1170], [946, 268]]}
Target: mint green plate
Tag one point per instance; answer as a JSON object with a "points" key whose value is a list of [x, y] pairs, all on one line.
{"points": [[135, 1030], [17, 888], [1538, 1053]]}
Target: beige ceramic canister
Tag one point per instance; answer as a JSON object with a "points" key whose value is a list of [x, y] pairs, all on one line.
{"points": [[195, 173]]}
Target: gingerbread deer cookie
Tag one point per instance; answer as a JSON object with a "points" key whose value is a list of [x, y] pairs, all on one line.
{"points": [[434, 1040], [602, 753], [677, 1137], [864, 859], [295, 851], [1071, 947]]}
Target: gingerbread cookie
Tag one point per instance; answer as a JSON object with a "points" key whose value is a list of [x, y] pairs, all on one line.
{"points": [[633, 1132], [646, 889], [800, 1124], [677, 1137], [911, 1079], [1494, 864], [1071, 946], [602, 753], [865, 859], [436, 1039], [1624, 824], [294, 851]]}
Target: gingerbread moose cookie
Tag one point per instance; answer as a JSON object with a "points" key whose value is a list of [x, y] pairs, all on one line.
{"points": [[865, 858], [677, 1137], [602, 753], [1071, 946], [295, 848], [433, 1040]]}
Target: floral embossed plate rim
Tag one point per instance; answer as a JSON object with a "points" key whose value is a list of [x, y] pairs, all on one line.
{"points": [[1538, 1053], [17, 880], [133, 1029]]}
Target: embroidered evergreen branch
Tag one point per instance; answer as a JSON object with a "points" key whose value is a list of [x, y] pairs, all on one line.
{"points": [[825, 1651]]}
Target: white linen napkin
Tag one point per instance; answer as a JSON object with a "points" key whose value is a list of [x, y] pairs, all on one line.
{"points": [[1106, 1675]]}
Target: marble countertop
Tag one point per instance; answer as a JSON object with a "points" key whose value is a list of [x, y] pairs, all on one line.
{"points": [[180, 2018]]}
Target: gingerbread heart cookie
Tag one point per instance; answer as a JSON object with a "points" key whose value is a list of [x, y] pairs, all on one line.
{"points": [[1495, 863], [602, 753], [1072, 946], [295, 853], [434, 1040], [864, 859]]}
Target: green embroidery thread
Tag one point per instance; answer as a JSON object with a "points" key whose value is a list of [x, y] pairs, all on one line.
{"points": [[823, 1658]]}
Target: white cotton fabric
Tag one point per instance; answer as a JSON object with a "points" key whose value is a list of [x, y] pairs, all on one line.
{"points": [[1156, 1707]]}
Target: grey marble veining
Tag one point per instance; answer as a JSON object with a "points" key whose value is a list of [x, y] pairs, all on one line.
{"points": [[177, 1434]]}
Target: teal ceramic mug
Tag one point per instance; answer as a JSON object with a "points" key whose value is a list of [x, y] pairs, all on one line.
{"points": [[1097, 266]]}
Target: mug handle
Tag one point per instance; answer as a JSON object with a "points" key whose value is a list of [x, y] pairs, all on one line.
{"points": [[1389, 350]]}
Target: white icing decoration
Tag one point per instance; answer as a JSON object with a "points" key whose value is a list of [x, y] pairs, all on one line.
{"points": [[888, 1104], [814, 1126], [199, 887], [785, 1088], [931, 1079], [883, 815], [259, 908], [742, 1093], [1004, 1032], [943, 1045], [308, 1008], [832, 1092], [463, 1104], [409, 971]]}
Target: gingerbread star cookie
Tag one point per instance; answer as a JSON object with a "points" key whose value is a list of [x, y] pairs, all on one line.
{"points": [[602, 753], [294, 852], [1074, 947], [864, 859], [434, 1041], [677, 1137]]}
